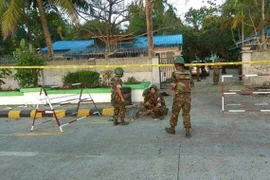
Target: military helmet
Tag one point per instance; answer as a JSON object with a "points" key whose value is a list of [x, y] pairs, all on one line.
{"points": [[179, 60], [153, 86], [145, 92], [118, 71]]}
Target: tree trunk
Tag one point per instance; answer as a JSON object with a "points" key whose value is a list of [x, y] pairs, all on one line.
{"points": [[263, 37], [148, 9], [45, 30], [243, 32]]}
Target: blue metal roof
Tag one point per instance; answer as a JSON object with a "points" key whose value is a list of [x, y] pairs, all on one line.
{"points": [[68, 45], [160, 41], [87, 46], [256, 34]]}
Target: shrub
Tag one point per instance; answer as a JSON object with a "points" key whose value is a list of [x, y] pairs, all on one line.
{"points": [[4, 73], [26, 56], [89, 78], [132, 80]]}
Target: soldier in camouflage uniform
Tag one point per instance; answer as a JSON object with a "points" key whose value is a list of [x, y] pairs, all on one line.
{"points": [[216, 72], [155, 104], [240, 69], [117, 98], [146, 96], [182, 100], [198, 72]]}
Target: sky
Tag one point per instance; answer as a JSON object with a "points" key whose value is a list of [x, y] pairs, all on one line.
{"points": [[183, 7]]}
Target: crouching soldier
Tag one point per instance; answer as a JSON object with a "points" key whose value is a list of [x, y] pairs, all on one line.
{"points": [[145, 105], [155, 104]]}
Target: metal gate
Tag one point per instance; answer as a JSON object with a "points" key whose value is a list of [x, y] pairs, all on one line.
{"points": [[165, 72]]}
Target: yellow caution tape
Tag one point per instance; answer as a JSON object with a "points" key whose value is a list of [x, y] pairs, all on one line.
{"points": [[267, 62]]}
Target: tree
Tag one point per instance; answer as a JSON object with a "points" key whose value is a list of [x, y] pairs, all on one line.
{"points": [[251, 15], [26, 56], [137, 20], [13, 12], [109, 14]]}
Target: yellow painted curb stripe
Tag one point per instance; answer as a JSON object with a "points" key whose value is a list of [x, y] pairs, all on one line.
{"points": [[83, 112], [108, 111], [32, 114], [60, 113], [14, 114]]}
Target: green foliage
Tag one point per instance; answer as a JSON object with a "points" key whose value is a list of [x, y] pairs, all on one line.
{"points": [[132, 80], [89, 78], [26, 56], [137, 23], [4, 73], [164, 18]]}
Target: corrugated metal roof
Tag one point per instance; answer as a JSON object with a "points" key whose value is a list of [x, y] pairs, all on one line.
{"points": [[256, 34], [140, 43], [160, 40], [68, 45]]}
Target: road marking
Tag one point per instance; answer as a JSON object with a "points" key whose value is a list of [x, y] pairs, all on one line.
{"points": [[31, 134], [23, 154], [94, 122]]}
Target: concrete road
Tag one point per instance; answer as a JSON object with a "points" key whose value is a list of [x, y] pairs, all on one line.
{"points": [[222, 146]]}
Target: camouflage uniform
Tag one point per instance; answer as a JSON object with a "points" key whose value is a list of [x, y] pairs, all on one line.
{"points": [[119, 106], [239, 69], [182, 99], [157, 103], [146, 101], [198, 73], [216, 72]]}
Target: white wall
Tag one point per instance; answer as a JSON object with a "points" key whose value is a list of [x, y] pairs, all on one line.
{"points": [[253, 56]]}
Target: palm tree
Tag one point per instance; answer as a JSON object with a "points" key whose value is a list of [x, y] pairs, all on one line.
{"points": [[12, 13]]}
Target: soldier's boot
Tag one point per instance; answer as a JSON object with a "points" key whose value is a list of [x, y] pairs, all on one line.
{"points": [[115, 122], [170, 130], [161, 118], [123, 123], [188, 134], [166, 111]]}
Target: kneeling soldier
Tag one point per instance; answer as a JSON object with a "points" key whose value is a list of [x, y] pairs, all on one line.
{"points": [[155, 105]]}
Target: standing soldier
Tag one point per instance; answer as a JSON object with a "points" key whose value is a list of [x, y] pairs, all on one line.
{"points": [[216, 72], [223, 68], [198, 72], [203, 71], [182, 100], [156, 104], [117, 98], [239, 69]]}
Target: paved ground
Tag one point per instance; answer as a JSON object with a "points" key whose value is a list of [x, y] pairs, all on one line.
{"points": [[229, 146]]}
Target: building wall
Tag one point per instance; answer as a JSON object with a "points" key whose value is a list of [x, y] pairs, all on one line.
{"points": [[253, 56], [54, 76], [138, 70]]}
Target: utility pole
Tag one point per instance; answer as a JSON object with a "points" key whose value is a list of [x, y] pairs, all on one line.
{"points": [[148, 9]]}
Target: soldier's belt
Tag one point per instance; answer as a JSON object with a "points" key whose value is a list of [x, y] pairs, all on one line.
{"points": [[181, 93]]}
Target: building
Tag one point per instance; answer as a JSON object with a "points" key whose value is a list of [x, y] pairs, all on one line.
{"points": [[164, 46]]}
